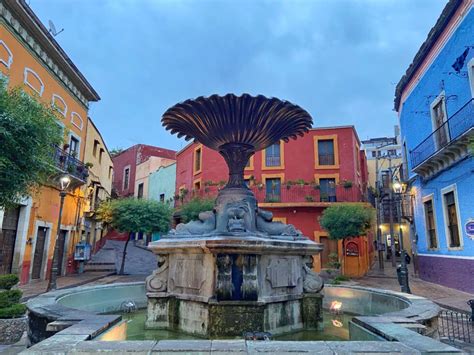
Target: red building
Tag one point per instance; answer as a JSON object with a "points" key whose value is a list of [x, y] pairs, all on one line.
{"points": [[125, 166], [295, 180]]}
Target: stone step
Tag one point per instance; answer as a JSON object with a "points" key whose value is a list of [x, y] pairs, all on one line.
{"points": [[100, 266]]}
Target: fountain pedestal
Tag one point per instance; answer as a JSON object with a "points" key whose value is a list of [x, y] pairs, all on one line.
{"points": [[224, 286]]}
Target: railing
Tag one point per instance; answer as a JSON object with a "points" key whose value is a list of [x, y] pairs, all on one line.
{"points": [[455, 326], [69, 164], [459, 123], [291, 194], [326, 159], [272, 161]]}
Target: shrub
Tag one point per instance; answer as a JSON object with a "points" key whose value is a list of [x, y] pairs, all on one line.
{"points": [[190, 211], [347, 184], [8, 281], [14, 311], [9, 298], [341, 278]]}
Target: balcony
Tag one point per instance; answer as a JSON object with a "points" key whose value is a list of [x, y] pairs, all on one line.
{"points": [[294, 195], [445, 146], [68, 164]]}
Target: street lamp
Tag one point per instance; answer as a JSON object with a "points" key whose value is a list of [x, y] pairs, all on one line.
{"points": [[402, 270], [64, 182]]}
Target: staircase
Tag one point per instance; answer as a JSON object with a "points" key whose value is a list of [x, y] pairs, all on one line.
{"points": [[102, 261]]}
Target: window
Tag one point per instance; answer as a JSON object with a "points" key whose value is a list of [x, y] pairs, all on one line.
{"points": [[374, 154], [94, 150], [162, 197], [272, 155], [249, 165], [126, 178], [76, 120], [273, 190], [327, 189], [140, 190], [6, 56], [197, 160], [326, 152], [430, 225], [247, 182], [438, 117], [392, 152], [74, 147], [110, 171], [470, 70], [101, 153], [452, 220], [197, 185]]}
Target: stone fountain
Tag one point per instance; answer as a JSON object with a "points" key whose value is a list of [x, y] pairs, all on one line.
{"points": [[235, 270]]}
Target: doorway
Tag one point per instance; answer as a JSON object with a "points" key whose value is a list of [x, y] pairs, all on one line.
{"points": [[39, 253], [8, 239], [329, 247], [61, 246]]}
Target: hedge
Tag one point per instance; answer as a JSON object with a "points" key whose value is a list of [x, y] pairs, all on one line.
{"points": [[14, 311], [8, 281]]}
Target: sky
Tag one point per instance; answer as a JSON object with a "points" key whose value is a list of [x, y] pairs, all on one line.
{"points": [[338, 59]]}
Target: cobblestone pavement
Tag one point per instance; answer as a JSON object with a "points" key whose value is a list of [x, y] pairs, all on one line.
{"points": [[444, 296], [139, 260]]}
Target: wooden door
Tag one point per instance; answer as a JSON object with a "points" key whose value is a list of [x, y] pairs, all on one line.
{"points": [[61, 245], [439, 120], [8, 239], [329, 247], [39, 251]]}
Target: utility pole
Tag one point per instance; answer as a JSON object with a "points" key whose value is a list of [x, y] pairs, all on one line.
{"points": [[390, 206], [377, 209]]}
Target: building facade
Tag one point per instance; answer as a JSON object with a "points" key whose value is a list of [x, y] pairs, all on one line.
{"points": [[126, 163], [296, 181], [99, 184], [32, 59], [161, 184], [384, 165], [143, 172], [434, 100]]}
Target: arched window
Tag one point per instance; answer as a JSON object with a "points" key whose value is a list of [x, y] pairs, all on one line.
{"points": [[76, 120], [33, 81], [6, 56], [58, 103]]}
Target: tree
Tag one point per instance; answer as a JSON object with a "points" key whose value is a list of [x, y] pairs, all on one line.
{"points": [[28, 133], [190, 211], [135, 216], [346, 220], [116, 151]]}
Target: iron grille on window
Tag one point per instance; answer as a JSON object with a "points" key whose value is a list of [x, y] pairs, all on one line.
{"points": [[326, 152], [272, 155]]}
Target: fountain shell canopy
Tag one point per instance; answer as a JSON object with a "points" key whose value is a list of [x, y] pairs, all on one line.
{"points": [[237, 126]]}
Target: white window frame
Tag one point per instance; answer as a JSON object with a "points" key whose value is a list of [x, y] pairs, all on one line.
{"points": [[123, 177], [440, 98], [444, 191], [59, 98], [25, 80], [470, 72], [80, 119], [9, 61], [427, 198]]}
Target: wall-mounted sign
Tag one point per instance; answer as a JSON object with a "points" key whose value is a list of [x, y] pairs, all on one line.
{"points": [[352, 249], [470, 228]]}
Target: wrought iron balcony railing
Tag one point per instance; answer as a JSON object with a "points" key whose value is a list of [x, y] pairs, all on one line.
{"points": [[291, 194], [459, 123], [67, 163]]}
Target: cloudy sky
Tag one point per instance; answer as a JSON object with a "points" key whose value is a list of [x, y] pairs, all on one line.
{"points": [[338, 59]]}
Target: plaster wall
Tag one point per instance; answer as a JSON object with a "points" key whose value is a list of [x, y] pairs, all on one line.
{"points": [[162, 181]]}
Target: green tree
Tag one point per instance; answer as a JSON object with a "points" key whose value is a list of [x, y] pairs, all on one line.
{"points": [[190, 211], [134, 216], [116, 151], [347, 220], [28, 133]]}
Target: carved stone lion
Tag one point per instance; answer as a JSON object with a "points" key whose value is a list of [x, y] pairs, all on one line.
{"points": [[158, 280], [266, 225], [312, 282], [205, 224]]}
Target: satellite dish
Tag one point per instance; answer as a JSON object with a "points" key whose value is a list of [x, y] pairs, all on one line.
{"points": [[52, 29]]}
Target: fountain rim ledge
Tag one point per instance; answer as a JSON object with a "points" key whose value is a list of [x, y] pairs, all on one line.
{"points": [[79, 336]]}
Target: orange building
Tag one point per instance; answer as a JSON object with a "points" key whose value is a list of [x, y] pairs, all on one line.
{"points": [[32, 59], [296, 181]]}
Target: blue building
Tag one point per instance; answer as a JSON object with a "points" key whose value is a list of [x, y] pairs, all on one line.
{"points": [[434, 100]]}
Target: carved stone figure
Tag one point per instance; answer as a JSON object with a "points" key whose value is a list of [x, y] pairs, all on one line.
{"points": [[205, 224], [312, 282], [158, 280], [249, 286], [224, 286], [266, 225]]}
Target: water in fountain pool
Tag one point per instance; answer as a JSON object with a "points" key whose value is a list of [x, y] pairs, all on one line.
{"points": [[335, 327]]}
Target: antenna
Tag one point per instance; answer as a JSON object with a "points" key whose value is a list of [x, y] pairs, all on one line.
{"points": [[52, 29]]}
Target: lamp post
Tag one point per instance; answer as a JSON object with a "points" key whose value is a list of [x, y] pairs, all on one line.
{"points": [[402, 270], [64, 182]]}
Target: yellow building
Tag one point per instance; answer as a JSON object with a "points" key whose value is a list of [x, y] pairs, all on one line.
{"points": [[99, 183], [31, 58]]}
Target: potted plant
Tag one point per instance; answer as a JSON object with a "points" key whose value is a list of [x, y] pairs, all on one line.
{"points": [[347, 184], [89, 165], [289, 184], [300, 182], [12, 312], [309, 198]]}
